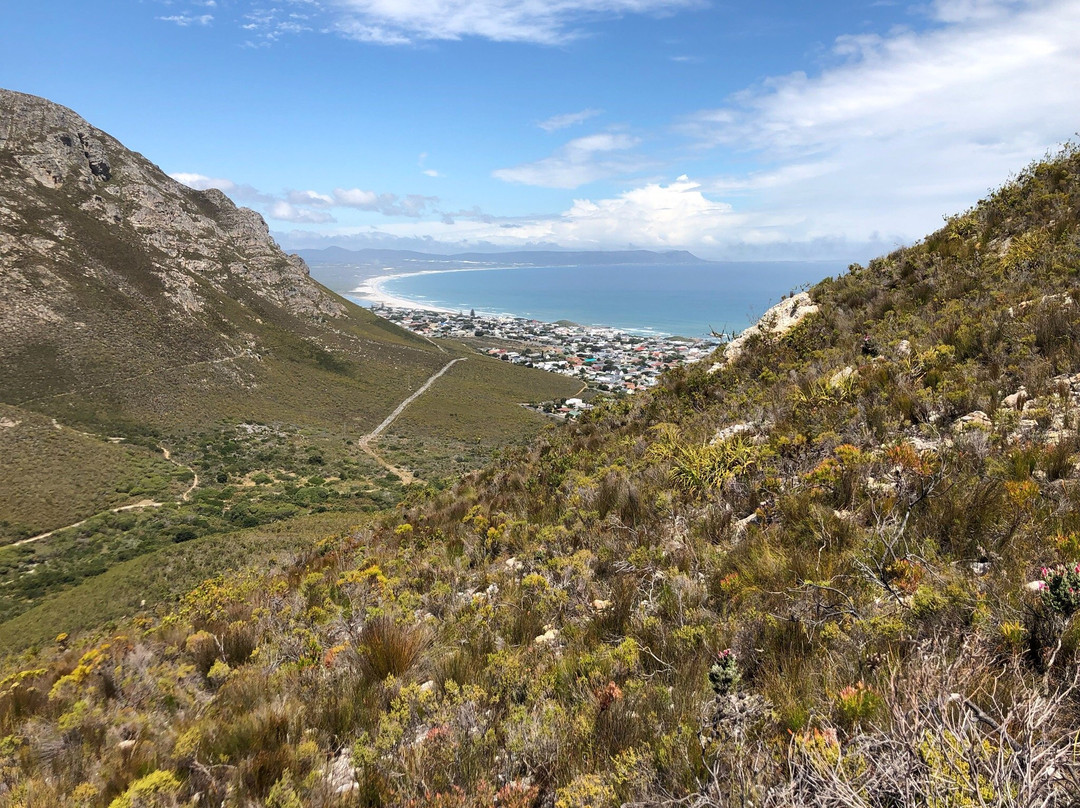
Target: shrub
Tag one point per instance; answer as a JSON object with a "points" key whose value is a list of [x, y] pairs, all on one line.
{"points": [[155, 790], [724, 676], [586, 791], [389, 648], [1060, 589], [856, 704], [699, 468]]}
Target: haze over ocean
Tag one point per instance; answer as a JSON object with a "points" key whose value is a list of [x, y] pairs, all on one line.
{"points": [[670, 299]]}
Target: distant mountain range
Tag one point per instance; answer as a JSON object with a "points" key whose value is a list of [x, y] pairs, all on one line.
{"points": [[411, 258]]}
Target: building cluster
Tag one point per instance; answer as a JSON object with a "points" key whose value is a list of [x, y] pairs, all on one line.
{"points": [[603, 358]]}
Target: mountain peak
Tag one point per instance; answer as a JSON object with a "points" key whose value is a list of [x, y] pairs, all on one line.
{"points": [[60, 177]]}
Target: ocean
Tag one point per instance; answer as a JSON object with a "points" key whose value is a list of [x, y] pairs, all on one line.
{"points": [[685, 300]]}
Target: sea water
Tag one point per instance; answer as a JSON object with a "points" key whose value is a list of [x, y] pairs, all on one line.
{"points": [[687, 300]]}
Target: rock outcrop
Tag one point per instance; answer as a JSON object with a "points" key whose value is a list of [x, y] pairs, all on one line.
{"points": [[60, 176], [110, 270], [776, 322]]}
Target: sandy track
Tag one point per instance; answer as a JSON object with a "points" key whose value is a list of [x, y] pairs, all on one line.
{"points": [[143, 503], [364, 443]]}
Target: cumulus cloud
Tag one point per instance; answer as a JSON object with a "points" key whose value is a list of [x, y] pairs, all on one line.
{"points": [[310, 207], [579, 162], [557, 122], [312, 198], [655, 215], [387, 204], [238, 192], [547, 22], [905, 128]]}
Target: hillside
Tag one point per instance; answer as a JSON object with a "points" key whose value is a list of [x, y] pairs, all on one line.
{"points": [[837, 566], [133, 301], [168, 372]]}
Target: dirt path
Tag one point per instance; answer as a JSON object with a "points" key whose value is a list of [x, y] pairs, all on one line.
{"points": [[143, 503], [433, 342], [370, 436], [406, 476], [186, 496], [364, 443]]}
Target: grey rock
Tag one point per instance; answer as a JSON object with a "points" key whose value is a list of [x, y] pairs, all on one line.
{"points": [[56, 161]]}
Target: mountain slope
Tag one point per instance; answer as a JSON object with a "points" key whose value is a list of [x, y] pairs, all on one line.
{"points": [[113, 271], [139, 318], [839, 569], [132, 302]]}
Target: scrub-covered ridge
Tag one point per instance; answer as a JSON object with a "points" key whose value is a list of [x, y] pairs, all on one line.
{"points": [[837, 567]]}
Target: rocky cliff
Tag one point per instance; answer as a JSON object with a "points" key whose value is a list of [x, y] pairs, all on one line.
{"points": [[50, 155], [111, 270]]}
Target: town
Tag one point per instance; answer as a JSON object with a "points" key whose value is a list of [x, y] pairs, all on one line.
{"points": [[605, 359]]}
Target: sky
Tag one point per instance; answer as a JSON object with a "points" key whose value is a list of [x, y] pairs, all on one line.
{"points": [[737, 130]]}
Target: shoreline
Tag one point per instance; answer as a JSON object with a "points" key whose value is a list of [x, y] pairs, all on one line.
{"points": [[372, 291]]}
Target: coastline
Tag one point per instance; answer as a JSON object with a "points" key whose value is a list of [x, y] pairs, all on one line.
{"points": [[373, 293], [693, 302]]}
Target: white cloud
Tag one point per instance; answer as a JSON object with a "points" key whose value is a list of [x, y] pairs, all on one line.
{"points": [[548, 22], [267, 25], [184, 20], [966, 10], [200, 182], [356, 198], [557, 122], [411, 205], [421, 161], [577, 163], [312, 198], [310, 206], [908, 127], [655, 215], [286, 212]]}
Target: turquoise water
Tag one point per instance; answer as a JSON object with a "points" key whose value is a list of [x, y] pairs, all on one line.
{"points": [[687, 300]]}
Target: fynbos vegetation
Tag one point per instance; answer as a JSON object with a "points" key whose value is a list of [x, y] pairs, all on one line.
{"points": [[838, 569]]}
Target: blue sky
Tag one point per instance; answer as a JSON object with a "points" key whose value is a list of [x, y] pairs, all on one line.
{"points": [[771, 129]]}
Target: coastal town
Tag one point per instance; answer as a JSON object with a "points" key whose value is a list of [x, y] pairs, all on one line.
{"points": [[605, 359]]}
